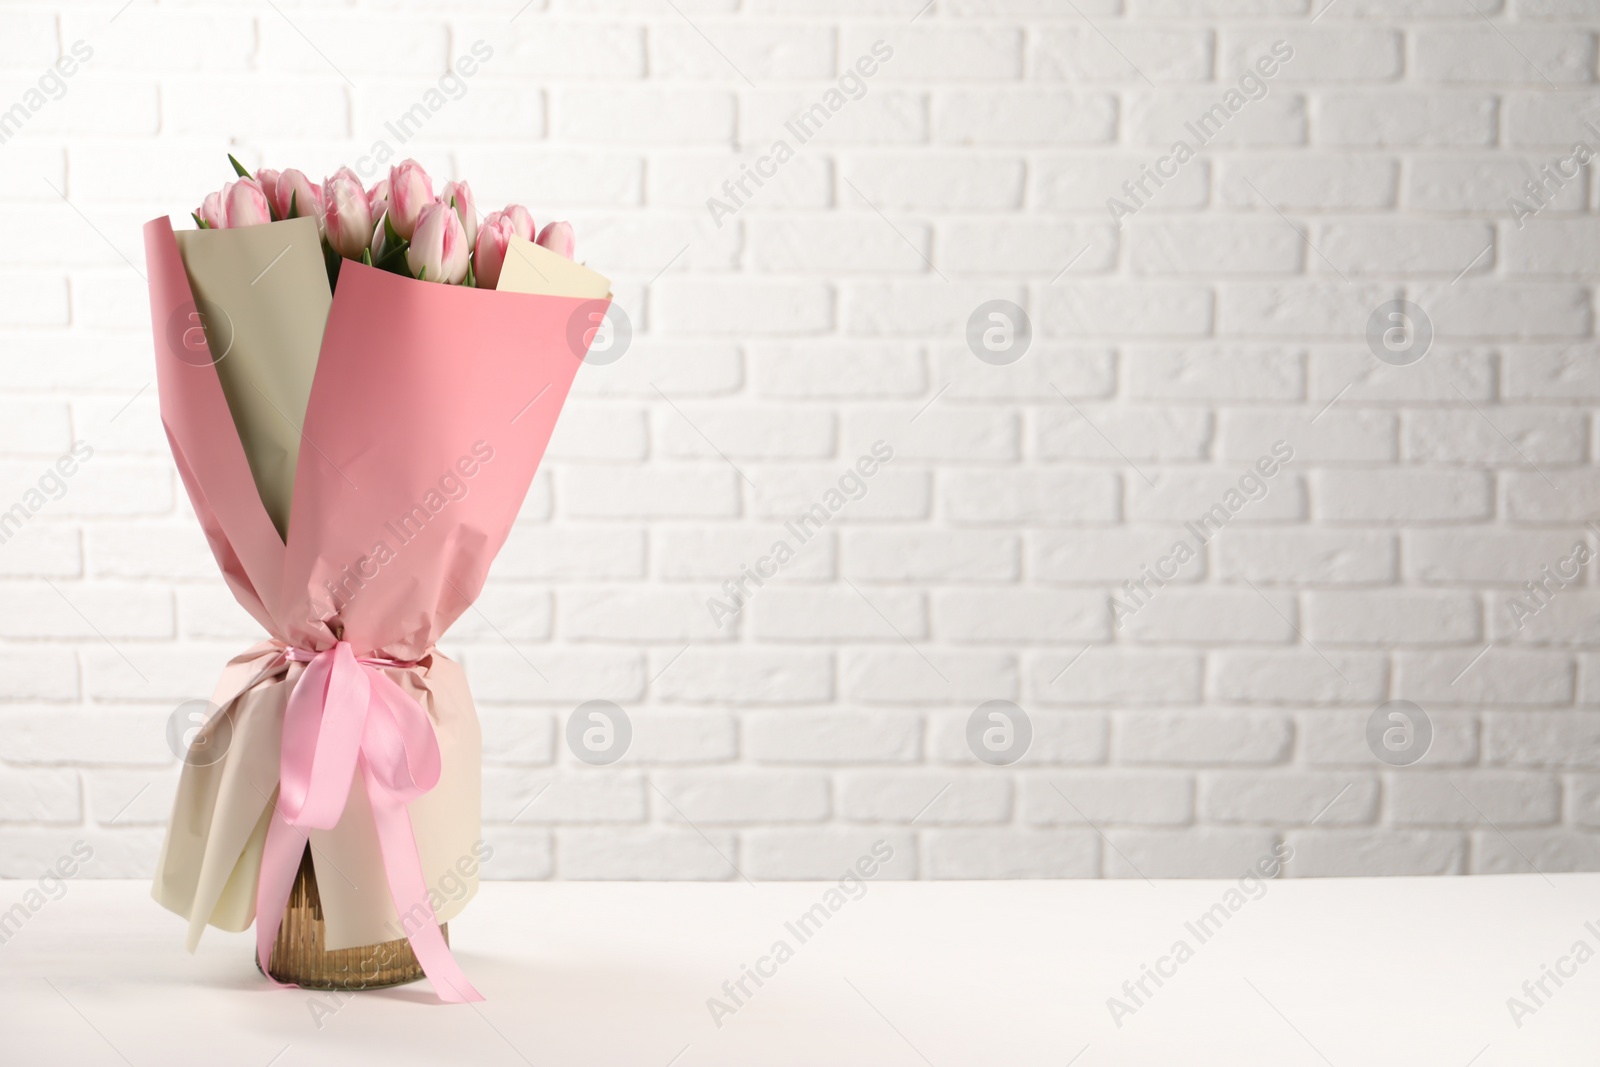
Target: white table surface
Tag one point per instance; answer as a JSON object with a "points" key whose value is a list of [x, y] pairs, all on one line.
{"points": [[1344, 972]]}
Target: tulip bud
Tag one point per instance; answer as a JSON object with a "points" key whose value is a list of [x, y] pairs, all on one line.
{"points": [[459, 195], [494, 236], [211, 212], [410, 190], [521, 222], [268, 180], [295, 196], [347, 216], [557, 237], [245, 203], [438, 250], [378, 198], [380, 238]]}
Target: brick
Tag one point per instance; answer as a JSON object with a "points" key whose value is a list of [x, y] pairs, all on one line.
{"points": [[1472, 799], [1203, 853], [713, 676], [1019, 616], [927, 556], [695, 432], [1338, 738], [1321, 182], [1307, 556], [1086, 180], [1225, 246], [1485, 184], [1541, 738], [931, 798], [1095, 557], [828, 737], [1214, 373], [1201, 615], [1080, 54], [1203, 737], [885, 116], [989, 853], [904, 676], [826, 853], [1332, 54], [1049, 497], [1158, 118], [1320, 853], [1393, 248], [1551, 851], [1115, 676], [587, 796], [1391, 617], [1024, 117], [796, 370], [657, 115], [1335, 436], [1483, 555], [740, 797], [994, 246], [1401, 496], [1273, 798], [1362, 119], [838, 614], [1102, 798], [654, 853], [1516, 55], [1551, 373], [1297, 676], [720, 554], [1102, 309], [1516, 436], [1501, 676]]}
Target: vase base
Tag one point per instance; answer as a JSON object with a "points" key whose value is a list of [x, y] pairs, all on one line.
{"points": [[300, 958]]}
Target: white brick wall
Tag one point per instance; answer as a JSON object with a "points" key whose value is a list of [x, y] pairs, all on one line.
{"points": [[1227, 713]]}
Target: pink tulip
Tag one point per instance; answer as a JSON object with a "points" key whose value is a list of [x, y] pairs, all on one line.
{"points": [[521, 222], [557, 237], [494, 237], [245, 203], [380, 238], [211, 212], [410, 190], [438, 251], [378, 198], [348, 217], [459, 195], [268, 180], [296, 196]]}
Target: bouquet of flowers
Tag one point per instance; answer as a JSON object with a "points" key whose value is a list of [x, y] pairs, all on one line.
{"points": [[358, 385]]}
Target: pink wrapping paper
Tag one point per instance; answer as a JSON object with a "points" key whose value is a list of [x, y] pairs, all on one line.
{"points": [[418, 447]]}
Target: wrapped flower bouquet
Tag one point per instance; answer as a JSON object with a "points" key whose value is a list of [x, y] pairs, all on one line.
{"points": [[358, 385]]}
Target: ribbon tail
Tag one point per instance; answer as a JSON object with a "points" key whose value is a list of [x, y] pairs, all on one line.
{"points": [[280, 863], [410, 893]]}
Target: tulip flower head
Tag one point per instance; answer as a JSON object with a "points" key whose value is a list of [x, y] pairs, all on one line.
{"points": [[439, 250], [410, 190], [347, 214]]}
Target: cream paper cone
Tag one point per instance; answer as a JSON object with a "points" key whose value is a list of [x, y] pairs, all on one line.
{"points": [[263, 294]]}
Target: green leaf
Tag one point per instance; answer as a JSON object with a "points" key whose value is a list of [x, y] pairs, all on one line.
{"points": [[294, 200], [366, 256], [390, 232], [238, 168], [471, 278], [422, 275], [198, 221]]}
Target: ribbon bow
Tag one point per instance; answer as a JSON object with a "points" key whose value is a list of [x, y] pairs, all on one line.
{"points": [[344, 713]]}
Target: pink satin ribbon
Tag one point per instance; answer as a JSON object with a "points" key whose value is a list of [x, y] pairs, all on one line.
{"points": [[344, 713]]}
